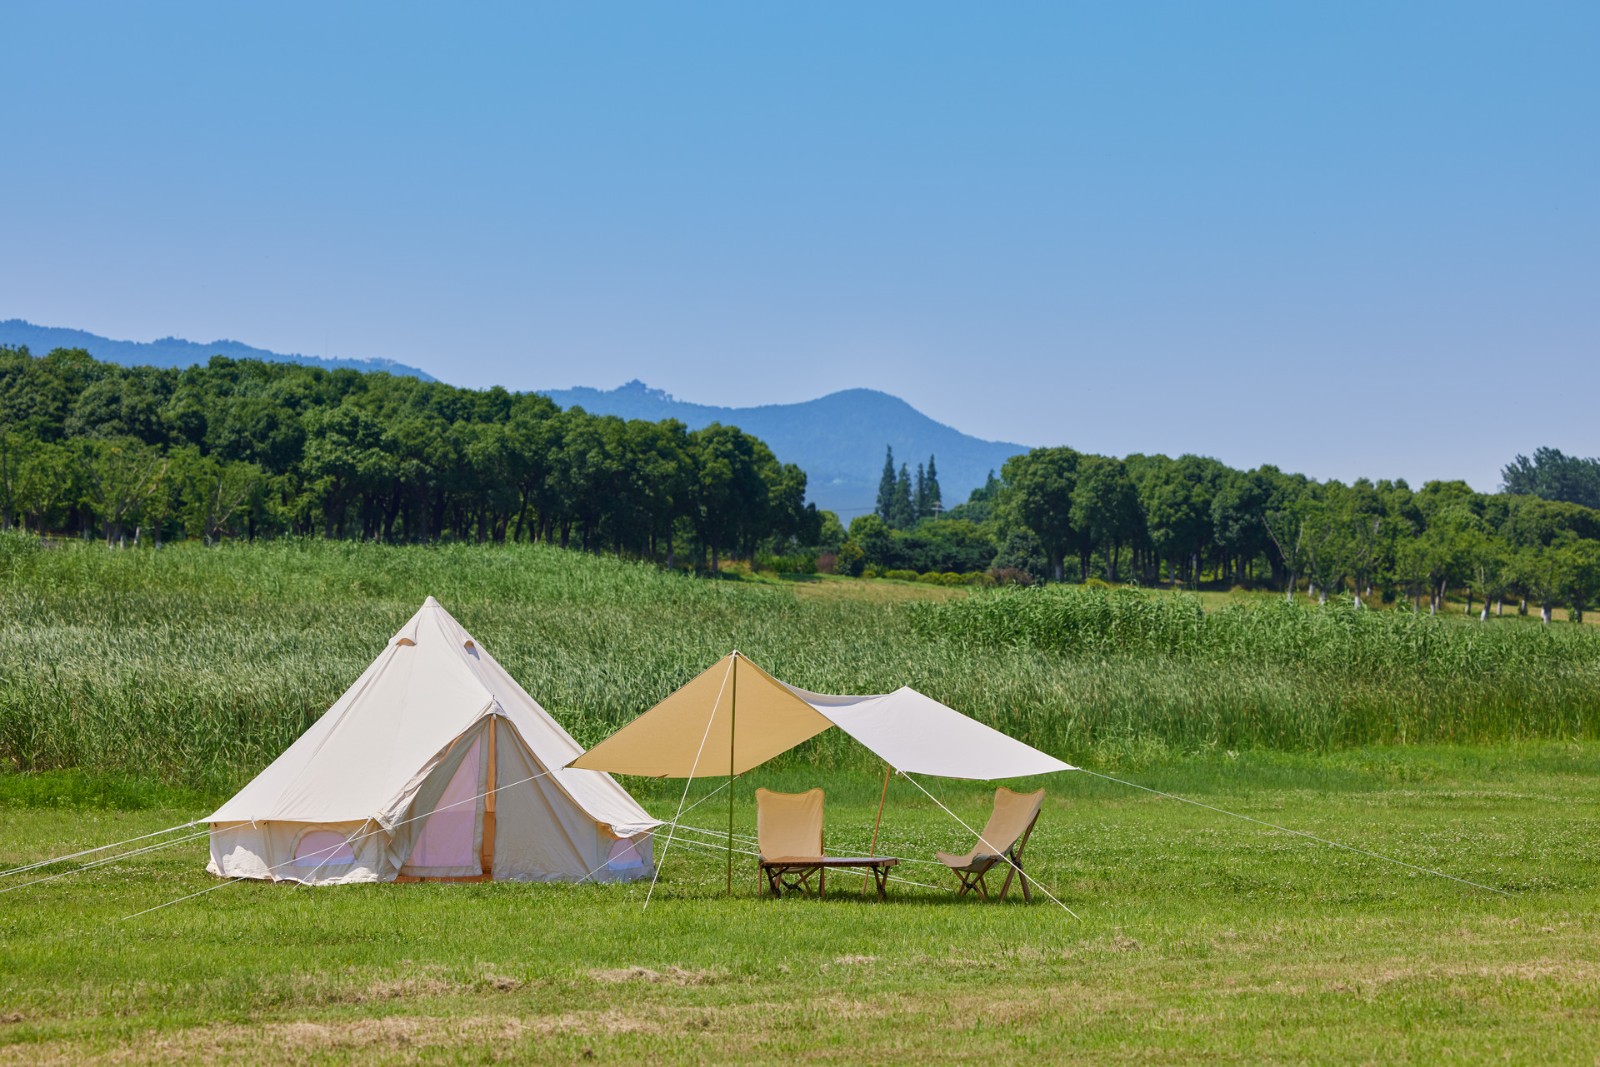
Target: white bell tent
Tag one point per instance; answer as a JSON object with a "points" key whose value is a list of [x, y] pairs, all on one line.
{"points": [[435, 764]]}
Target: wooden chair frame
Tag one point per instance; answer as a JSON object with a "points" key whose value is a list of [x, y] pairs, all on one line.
{"points": [[795, 870], [973, 876], [795, 874], [794, 877]]}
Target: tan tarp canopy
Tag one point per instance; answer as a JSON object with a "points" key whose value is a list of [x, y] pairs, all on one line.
{"points": [[736, 716]]}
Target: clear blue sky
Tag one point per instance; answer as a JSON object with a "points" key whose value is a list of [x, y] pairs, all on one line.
{"points": [[1347, 238]]}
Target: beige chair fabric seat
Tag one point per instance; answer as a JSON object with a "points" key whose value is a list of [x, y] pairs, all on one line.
{"points": [[1003, 839], [789, 838]]}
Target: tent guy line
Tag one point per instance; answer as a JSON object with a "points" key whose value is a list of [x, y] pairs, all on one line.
{"points": [[661, 859], [296, 860], [908, 730], [231, 881], [748, 839], [717, 850], [26, 867], [198, 822], [1003, 855], [109, 859], [707, 797], [194, 837], [1301, 833]]}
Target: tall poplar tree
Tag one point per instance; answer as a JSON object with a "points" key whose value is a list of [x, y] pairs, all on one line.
{"points": [[935, 501], [886, 486], [904, 510]]}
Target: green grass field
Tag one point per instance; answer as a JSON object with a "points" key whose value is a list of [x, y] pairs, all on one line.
{"points": [[1201, 938], [139, 688]]}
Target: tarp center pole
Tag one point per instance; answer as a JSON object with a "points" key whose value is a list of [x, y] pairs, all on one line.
{"points": [[872, 849], [733, 722]]}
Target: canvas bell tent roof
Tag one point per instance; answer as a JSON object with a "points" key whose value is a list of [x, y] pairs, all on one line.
{"points": [[434, 764], [735, 716]]}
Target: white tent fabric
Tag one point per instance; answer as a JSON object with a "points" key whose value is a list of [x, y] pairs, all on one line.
{"points": [[395, 779], [913, 732], [735, 716]]}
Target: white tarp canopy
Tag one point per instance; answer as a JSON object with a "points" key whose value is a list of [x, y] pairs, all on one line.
{"points": [[434, 764], [913, 732], [735, 716]]}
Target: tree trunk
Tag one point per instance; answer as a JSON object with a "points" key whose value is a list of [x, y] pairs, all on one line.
{"points": [[1468, 610], [1483, 616], [1522, 605], [522, 515], [1544, 611]]}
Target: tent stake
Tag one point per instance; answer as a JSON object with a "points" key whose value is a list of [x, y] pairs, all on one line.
{"points": [[733, 722], [872, 849]]}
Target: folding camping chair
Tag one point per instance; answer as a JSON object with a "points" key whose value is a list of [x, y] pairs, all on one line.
{"points": [[789, 838], [1004, 837]]}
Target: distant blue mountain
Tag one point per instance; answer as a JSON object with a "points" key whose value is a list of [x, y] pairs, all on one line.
{"points": [[838, 439], [174, 351]]}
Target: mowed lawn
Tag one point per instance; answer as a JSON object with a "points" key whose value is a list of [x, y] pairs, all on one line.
{"points": [[1199, 937]]}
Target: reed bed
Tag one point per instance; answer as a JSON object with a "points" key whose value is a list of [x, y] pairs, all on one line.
{"points": [[198, 666]]}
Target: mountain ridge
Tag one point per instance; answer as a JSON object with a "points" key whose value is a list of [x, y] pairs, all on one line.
{"points": [[837, 439], [176, 351]]}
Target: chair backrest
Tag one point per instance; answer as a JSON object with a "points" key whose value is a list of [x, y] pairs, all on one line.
{"points": [[1013, 812], [789, 824]]}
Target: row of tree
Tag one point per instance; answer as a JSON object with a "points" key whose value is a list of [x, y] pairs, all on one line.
{"points": [[245, 448], [1154, 519], [248, 448], [904, 502], [1552, 475]]}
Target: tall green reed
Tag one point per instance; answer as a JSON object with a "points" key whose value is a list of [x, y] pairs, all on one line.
{"points": [[199, 665]]}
